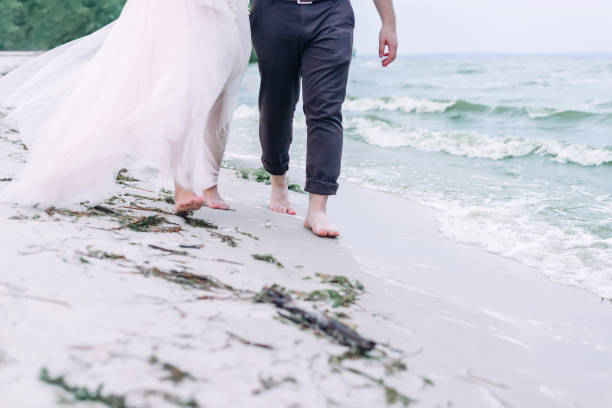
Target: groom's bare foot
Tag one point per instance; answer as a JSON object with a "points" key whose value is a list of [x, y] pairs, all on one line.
{"points": [[316, 219], [213, 199], [186, 200], [279, 197]]}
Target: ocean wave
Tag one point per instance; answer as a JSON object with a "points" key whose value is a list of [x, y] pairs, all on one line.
{"points": [[246, 112], [567, 255], [404, 104], [476, 145], [436, 106]]}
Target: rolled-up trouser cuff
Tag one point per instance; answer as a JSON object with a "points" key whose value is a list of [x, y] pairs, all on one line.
{"points": [[275, 169], [321, 187]]}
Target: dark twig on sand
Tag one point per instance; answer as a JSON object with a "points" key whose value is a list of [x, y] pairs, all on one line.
{"points": [[170, 251], [197, 246], [146, 224], [248, 342], [134, 206], [314, 320]]}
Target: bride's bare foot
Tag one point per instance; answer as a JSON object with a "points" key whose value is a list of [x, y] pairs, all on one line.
{"points": [[186, 200], [213, 199], [316, 219], [279, 197]]}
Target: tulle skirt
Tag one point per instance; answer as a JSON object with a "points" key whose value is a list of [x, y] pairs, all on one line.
{"points": [[154, 90]]}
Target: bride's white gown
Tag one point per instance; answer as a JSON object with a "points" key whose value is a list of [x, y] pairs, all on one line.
{"points": [[155, 89]]}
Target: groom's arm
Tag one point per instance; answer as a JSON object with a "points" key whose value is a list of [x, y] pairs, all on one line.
{"points": [[388, 34]]}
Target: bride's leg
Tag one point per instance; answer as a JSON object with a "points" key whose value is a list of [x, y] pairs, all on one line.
{"points": [[215, 139], [186, 200]]}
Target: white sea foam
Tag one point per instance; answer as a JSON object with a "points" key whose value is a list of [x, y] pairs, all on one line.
{"points": [[246, 112], [567, 255], [405, 104], [476, 145]]}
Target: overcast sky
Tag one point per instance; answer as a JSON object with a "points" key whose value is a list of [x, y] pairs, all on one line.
{"points": [[510, 26]]}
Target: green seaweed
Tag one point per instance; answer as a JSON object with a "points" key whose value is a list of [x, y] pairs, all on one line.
{"points": [[112, 200], [80, 393], [392, 395], [142, 197], [173, 399], [104, 255], [296, 188], [260, 175], [348, 294], [341, 315], [332, 295], [175, 374], [191, 280], [226, 239], [136, 206], [428, 381], [269, 259], [246, 234], [123, 175], [198, 222], [51, 211], [142, 224], [394, 366], [268, 383]]}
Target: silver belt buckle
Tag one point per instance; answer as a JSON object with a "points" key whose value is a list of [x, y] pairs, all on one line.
{"points": [[303, 2]]}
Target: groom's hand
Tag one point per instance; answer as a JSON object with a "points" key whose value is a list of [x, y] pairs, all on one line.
{"points": [[387, 48]]}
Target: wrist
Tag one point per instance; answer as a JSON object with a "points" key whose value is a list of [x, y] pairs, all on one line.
{"points": [[389, 24]]}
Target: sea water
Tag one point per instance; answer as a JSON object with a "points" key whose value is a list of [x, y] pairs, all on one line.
{"points": [[514, 152]]}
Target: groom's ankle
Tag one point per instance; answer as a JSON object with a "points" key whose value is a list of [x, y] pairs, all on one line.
{"points": [[279, 180]]}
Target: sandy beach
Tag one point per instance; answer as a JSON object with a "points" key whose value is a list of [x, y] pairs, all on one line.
{"points": [[164, 313]]}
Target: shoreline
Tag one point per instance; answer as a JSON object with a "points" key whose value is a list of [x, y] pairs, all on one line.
{"points": [[503, 326]]}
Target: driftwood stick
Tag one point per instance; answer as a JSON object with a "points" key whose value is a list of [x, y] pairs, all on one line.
{"points": [[315, 320]]}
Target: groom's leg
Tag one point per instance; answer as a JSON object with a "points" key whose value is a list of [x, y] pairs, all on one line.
{"points": [[276, 31], [325, 68]]}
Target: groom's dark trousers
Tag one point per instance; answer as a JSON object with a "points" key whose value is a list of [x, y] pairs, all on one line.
{"points": [[312, 42]]}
